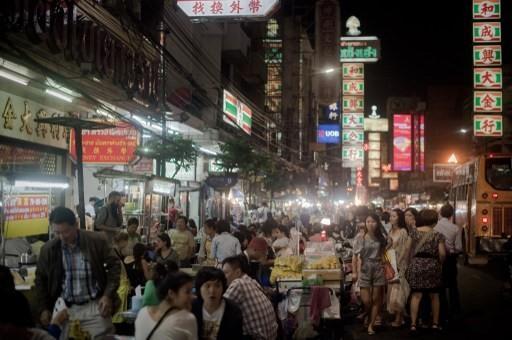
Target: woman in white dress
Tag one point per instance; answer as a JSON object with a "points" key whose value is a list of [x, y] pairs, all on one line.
{"points": [[171, 319]]}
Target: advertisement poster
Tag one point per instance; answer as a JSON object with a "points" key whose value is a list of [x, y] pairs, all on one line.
{"points": [[26, 215], [402, 142], [109, 146]]}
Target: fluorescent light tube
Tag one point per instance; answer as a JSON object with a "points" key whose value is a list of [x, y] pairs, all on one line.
{"points": [[60, 95], [13, 77], [37, 184]]}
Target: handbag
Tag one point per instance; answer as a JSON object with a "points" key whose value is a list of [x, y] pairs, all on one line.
{"points": [[389, 272]]}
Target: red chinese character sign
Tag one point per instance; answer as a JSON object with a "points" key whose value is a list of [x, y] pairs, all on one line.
{"points": [[109, 146], [222, 9], [486, 32], [353, 71], [488, 125], [487, 55], [488, 101], [486, 9], [488, 78], [353, 87]]}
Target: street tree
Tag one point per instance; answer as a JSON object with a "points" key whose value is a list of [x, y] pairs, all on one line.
{"points": [[176, 150]]}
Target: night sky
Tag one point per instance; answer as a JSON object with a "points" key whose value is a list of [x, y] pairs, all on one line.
{"points": [[424, 43]]}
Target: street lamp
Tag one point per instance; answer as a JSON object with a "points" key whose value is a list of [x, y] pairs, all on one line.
{"points": [[452, 159], [463, 131], [329, 70]]}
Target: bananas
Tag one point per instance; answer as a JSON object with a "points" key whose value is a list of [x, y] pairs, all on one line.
{"points": [[326, 262]]}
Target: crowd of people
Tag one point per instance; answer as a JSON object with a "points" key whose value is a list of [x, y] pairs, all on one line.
{"points": [[402, 260], [407, 267]]}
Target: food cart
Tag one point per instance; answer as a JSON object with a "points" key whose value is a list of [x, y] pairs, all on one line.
{"points": [[158, 192], [296, 277]]}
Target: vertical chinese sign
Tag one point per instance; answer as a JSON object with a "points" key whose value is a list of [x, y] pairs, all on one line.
{"points": [[402, 142], [487, 71]]}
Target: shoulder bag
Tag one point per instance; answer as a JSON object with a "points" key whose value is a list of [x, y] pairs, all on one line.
{"points": [[159, 322]]}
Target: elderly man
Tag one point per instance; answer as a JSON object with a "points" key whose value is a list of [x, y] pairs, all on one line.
{"points": [[81, 268], [259, 318]]}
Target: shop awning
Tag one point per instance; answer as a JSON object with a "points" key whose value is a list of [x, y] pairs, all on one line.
{"points": [[111, 173]]}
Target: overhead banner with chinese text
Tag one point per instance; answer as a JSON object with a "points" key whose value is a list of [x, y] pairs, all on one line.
{"points": [[109, 146], [228, 9]]}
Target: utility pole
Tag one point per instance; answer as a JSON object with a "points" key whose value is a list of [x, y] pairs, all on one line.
{"points": [[162, 94]]}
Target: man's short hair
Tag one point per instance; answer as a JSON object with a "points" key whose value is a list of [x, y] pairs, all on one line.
{"points": [[182, 217], [61, 215], [446, 211], [114, 194], [239, 261]]}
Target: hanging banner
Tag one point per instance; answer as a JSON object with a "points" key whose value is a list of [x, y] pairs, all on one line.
{"points": [[353, 104], [486, 9], [353, 121], [488, 78], [487, 55], [353, 70], [353, 87], [486, 32], [402, 142], [488, 125], [26, 215], [228, 9], [108, 146], [488, 101]]}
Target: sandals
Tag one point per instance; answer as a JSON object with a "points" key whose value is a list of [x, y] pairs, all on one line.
{"points": [[371, 331], [396, 326], [435, 327], [413, 329]]}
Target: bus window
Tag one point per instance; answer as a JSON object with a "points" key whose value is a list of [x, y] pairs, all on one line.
{"points": [[498, 173]]}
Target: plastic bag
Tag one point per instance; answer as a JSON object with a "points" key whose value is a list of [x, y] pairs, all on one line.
{"points": [[355, 292]]}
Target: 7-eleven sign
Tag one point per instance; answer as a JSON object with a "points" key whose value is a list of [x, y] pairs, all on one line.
{"points": [[246, 118], [487, 55], [488, 101], [488, 78], [484, 32], [353, 87], [488, 125], [486, 9], [353, 104], [353, 70], [237, 113]]}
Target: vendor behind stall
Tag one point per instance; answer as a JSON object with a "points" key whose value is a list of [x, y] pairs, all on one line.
{"points": [[110, 217]]}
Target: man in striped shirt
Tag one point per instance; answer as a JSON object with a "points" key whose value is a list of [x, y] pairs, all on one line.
{"points": [[259, 318]]}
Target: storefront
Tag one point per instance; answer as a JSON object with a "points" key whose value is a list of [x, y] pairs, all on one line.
{"points": [[33, 173]]}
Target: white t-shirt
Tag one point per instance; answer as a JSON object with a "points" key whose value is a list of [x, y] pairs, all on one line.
{"points": [[178, 325], [211, 322]]}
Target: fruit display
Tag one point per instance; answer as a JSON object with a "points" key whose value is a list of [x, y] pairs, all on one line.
{"points": [[324, 262], [289, 267]]}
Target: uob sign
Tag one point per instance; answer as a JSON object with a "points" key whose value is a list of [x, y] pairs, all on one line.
{"points": [[64, 29], [328, 134]]}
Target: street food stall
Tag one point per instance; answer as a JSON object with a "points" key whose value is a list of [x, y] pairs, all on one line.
{"points": [[133, 186], [156, 202]]}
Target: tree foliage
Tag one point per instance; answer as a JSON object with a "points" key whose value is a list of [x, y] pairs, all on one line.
{"points": [[176, 150]]}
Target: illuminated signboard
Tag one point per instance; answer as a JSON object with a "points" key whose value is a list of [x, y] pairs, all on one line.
{"points": [[352, 157], [353, 70], [353, 120], [488, 101], [488, 125], [353, 104], [237, 113], [330, 113], [353, 87], [359, 49], [402, 142], [486, 32], [488, 78], [486, 9], [487, 55], [443, 172], [225, 9], [328, 134]]}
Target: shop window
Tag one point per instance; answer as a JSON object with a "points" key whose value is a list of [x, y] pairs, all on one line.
{"points": [[17, 159]]}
